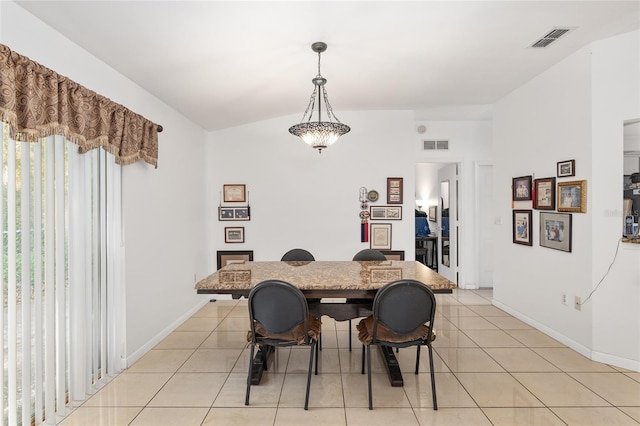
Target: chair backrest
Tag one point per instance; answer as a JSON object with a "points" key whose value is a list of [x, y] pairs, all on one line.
{"points": [[297, 254], [403, 306], [369, 254], [278, 306]]}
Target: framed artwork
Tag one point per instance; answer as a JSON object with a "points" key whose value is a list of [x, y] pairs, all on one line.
{"points": [[234, 193], [394, 190], [386, 212], [566, 168], [433, 213], [544, 194], [233, 256], [234, 213], [234, 234], [572, 196], [522, 227], [521, 188], [380, 236], [555, 231], [393, 254]]}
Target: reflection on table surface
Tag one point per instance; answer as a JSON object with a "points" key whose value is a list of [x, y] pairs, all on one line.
{"points": [[321, 276]]}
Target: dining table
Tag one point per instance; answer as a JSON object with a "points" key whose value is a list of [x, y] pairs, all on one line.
{"points": [[342, 290]]}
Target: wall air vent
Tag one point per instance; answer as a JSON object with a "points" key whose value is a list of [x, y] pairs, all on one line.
{"points": [[550, 37], [435, 145]]}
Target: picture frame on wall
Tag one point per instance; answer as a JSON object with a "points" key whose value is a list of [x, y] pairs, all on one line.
{"points": [[572, 196], [521, 188], [522, 227], [544, 194], [555, 231], [394, 190], [433, 213], [393, 254], [566, 168], [380, 236], [234, 193], [225, 257], [234, 213], [385, 213], [234, 234]]}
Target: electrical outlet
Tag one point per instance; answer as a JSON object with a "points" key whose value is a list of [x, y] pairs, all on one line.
{"points": [[578, 303], [564, 298]]}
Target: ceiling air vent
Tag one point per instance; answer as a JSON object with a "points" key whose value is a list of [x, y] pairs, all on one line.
{"points": [[435, 145], [550, 37]]}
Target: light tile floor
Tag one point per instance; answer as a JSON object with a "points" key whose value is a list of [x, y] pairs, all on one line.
{"points": [[491, 369]]}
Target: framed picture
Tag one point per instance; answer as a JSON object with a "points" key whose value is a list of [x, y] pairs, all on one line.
{"points": [[521, 187], [572, 196], [555, 231], [566, 168], [394, 190], [234, 234], [544, 194], [393, 254], [522, 227], [234, 213], [234, 193], [233, 256], [380, 236], [386, 212], [433, 213]]}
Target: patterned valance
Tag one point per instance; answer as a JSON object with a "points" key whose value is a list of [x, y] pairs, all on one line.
{"points": [[38, 102]]}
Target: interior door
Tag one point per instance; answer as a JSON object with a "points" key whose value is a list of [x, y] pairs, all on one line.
{"points": [[448, 223], [485, 225]]}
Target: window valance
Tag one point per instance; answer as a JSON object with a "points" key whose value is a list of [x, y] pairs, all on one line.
{"points": [[38, 102]]}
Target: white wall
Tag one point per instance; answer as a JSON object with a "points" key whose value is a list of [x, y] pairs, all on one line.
{"points": [[163, 208], [571, 111], [616, 303]]}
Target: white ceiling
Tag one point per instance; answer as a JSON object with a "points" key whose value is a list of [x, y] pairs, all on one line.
{"points": [[226, 63]]}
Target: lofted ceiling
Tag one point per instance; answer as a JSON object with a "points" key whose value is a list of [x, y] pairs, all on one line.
{"points": [[227, 63]]}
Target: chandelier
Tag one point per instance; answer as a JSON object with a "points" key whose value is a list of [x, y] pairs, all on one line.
{"points": [[319, 134]]}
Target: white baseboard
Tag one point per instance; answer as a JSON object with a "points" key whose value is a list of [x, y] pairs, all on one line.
{"points": [[164, 333], [629, 364]]}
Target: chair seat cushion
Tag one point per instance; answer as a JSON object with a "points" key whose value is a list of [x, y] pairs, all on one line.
{"points": [[365, 333], [296, 334]]}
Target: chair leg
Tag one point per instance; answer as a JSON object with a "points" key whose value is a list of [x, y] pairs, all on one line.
{"points": [[312, 352], [349, 335], [433, 379], [362, 359], [417, 359], [317, 348], [369, 376], [246, 398]]}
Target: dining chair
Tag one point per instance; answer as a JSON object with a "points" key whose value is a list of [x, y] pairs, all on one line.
{"points": [[403, 313], [297, 254], [279, 317], [365, 255]]}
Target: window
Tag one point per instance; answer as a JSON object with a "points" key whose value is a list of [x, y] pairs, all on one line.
{"points": [[61, 276]]}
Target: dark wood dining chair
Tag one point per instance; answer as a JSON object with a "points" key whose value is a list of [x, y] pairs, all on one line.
{"points": [[279, 317], [297, 254], [403, 313]]}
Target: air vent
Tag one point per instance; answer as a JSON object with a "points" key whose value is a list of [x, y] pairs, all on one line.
{"points": [[550, 37], [435, 145]]}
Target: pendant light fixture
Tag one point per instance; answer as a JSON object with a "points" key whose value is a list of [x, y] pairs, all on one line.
{"points": [[319, 134]]}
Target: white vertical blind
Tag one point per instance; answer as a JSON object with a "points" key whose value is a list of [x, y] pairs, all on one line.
{"points": [[62, 300]]}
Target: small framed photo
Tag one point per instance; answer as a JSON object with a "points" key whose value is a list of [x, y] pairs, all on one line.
{"points": [[394, 190], [386, 213], [521, 188], [572, 196], [236, 193], [566, 168], [433, 213], [234, 234], [234, 213], [555, 231], [233, 256], [522, 227], [544, 194], [380, 236]]}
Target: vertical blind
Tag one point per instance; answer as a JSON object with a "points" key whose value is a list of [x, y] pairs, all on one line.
{"points": [[62, 311]]}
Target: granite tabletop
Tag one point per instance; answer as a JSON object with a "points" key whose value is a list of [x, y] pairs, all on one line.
{"points": [[321, 275]]}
